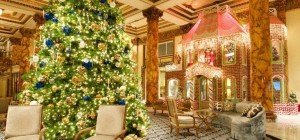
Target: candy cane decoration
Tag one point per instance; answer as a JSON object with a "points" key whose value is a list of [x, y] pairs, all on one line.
{"points": [[210, 93], [191, 85]]}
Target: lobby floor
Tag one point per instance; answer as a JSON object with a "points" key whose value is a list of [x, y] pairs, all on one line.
{"points": [[286, 127]]}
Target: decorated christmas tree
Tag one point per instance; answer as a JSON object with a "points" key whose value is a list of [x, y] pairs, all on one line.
{"points": [[84, 61], [293, 98]]}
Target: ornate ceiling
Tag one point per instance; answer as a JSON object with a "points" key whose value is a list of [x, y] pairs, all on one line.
{"points": [[19, 14]]}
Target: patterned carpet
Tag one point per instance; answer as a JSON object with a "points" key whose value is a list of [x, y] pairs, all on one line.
{"points": [[160, 129]]}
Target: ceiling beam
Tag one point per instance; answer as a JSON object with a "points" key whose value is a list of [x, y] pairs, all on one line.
{"points": [[173, 19], [170, 3], [18, 8], [136, 4]]}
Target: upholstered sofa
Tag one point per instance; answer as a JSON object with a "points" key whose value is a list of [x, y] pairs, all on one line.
{"points": [[241, 127]]}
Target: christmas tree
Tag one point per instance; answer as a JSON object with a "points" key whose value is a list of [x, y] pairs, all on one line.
{"points": [[293, 98], [84, 61]]}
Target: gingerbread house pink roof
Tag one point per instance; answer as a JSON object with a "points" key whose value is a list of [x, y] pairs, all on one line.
{"points": [[217, 21]]}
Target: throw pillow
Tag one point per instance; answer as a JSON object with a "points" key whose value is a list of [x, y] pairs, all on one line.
{"points": [[246, 110], [228, 106], [219, 106], [254, 110]]}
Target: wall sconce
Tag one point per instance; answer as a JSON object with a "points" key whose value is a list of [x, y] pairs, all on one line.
{"points": [[1, 12]]}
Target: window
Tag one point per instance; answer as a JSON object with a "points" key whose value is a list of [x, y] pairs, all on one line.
{"points": [[166, 49], [173, 87], [228, 53], [229, 91], [162, 85], [276, 51]]}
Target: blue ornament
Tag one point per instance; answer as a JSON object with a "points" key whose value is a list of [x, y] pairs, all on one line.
{"points": [[126, 50], [69, 51], [106, 62], [67, 30], [42, 64], [48, 16], [86, 98], [49, 43], [103, 1], [88, 65], [121, 102], [39, 85], [96, 12], [55, 19]]}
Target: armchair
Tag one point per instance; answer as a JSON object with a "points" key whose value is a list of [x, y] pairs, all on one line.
{"points": [[179, 120], [24, 123], [4, 103], [110, 123]]}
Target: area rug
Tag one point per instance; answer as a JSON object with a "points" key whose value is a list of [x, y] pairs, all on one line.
{"points": [[160, 130]]}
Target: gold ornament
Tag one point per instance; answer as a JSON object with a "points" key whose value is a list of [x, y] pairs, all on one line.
{"points": [[54, 88], [68, 100], [102, 46], [42, 79], [61, 59], [117, 57], [77, 81], [95, 27], [81, 69], [80, 124], [92, 115], [112, 100], [98, 80], [85, 90], [59, 103], [116, 78], [25, 84], [65, 120], [63, 76], [47, 73], [43, 91], [98, 96], [134, 125], [51, 105]]}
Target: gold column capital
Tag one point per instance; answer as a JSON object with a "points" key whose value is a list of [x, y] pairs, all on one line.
{"points": [[27, 32], [152, 13], [39, 19], [15, 41]]}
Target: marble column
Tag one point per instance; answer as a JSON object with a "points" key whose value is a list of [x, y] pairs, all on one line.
{"points": [[152, 70], [260, 61]]}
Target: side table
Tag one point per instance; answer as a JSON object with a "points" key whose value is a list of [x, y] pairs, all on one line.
{"points": [[206, 117]]}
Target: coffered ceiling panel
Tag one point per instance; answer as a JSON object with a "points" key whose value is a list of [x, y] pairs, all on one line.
{"points": [[19, 13]]}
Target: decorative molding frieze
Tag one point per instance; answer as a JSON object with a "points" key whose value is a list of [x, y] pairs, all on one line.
{"points": [[27, 32], [39, 19]]}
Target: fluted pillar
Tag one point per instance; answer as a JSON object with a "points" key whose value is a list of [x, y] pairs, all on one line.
{"points": [[260, 62], [152, 70]]}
